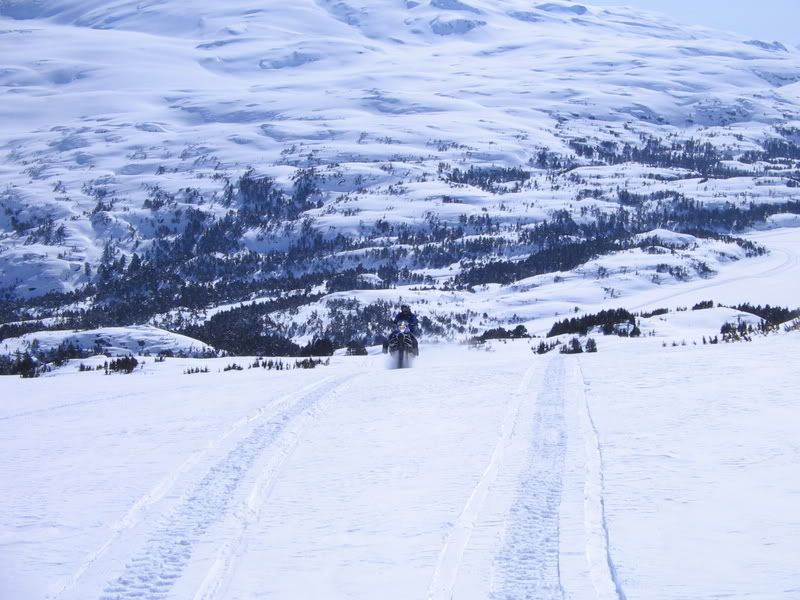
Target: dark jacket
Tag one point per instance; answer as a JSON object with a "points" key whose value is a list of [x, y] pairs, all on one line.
{"points": [[409, 318]]}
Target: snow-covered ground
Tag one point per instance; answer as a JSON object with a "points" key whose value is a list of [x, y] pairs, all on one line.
{"points": [[700, 449], [646, 470], [114, 341]]}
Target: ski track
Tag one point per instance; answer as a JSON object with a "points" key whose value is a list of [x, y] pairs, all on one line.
{"points": [[452, 553], [152, 573], [527, 565]]}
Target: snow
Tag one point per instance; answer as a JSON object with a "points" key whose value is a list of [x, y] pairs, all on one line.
{"points": [[784, 220], [658, 468], [770, 279], [668, 237], [699, 458], [690, 324], [114, 341], [647, 470], [640, 470]]}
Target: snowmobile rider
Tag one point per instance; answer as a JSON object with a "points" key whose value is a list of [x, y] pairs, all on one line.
{"points": [[406, 315], [410, 318]]}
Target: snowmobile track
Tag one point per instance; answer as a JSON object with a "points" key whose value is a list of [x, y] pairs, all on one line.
{"points": [[602, 570], [155, 569], [225, 559], [450, 558], [527, 565]]}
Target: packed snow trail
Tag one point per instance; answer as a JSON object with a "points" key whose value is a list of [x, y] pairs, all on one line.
{"points": [[453, 550], [169, 548], [528, 564], [236, 527]]}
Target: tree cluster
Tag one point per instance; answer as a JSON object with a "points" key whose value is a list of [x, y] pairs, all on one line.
{"points": [[501, 333], [608, 321]]}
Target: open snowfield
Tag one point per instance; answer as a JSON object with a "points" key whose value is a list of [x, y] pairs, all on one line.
{"points": [[642, 471], [637, 472]]}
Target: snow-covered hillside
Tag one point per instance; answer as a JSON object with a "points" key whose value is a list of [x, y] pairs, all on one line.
{"points": [[659, 467], [267, 179], [637, 472], [141, 339], [397, 143]]}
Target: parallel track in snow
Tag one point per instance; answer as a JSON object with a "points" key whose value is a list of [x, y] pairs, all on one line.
{"points": [[527, 565], [452, 552], [154, 570], [256, 496]]}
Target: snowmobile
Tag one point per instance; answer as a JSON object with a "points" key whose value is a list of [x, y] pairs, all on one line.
{"points": [[402, 345]]}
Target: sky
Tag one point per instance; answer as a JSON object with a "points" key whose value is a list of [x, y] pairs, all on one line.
{"points": [[767, 20]]}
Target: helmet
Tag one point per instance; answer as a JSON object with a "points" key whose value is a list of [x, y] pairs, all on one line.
{"points": [[405, 308]]}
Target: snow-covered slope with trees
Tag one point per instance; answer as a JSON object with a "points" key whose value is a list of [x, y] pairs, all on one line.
{"points": [[183, 180], [162, 160]]}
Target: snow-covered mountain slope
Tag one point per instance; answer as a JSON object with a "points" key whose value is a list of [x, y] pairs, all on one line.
{"points": [[637, 472], [129, 128], [493, 163]]}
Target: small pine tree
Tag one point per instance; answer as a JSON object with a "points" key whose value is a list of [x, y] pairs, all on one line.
{"points": [[573, 347], [356, 348], [319, 347]]}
